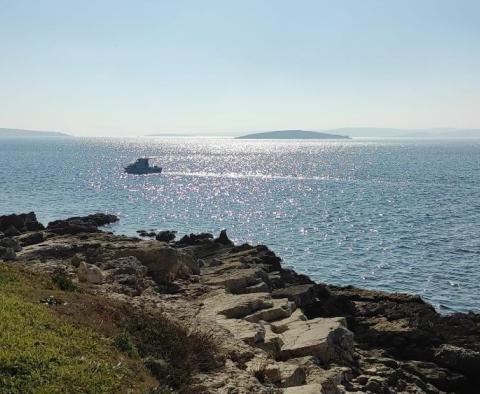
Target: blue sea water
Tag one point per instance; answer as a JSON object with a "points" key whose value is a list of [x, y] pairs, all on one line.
{"points": [[389, 215]]}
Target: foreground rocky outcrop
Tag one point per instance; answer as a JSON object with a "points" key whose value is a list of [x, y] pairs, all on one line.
{"points": [[279, 331]]}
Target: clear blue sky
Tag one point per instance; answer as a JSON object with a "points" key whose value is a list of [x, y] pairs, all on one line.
{"points": [[135, 67]]}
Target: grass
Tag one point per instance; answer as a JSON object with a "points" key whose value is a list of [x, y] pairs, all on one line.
{"points": [[175, 351], [88, 344], [63, 282], [41, 353]]}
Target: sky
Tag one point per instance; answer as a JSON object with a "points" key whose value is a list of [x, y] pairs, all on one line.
{"points": [[123, 68]]}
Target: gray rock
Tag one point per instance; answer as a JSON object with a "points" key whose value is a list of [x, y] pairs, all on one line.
{"points": [[165, 236], [7, 253], [11, 231], [30, 239], [458, 358], [300, 294], [90, 273], [11, 243]]}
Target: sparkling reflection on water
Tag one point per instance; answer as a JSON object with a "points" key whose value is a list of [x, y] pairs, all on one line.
{"points": [[391, 215]]}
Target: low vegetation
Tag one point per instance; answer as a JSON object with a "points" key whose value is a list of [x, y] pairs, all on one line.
{"points": [[55, 338]]}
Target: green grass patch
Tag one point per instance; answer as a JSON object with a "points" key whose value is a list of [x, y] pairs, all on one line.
{"points": [[41, 353], [63, 282], [125, 344]]}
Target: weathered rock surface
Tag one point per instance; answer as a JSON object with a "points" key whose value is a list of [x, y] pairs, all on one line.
{"points": [[280, 331], [22, 222], [90, 273], [81, 224]]}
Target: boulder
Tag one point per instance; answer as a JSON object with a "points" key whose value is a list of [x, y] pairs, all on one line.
{"points": [[22, 222], [195, 239], [223, 239], [328, 339], [236, 306], [285, 374], [163, 263], [250, 333], [282, 325], [261, 287], [272, 342], [11, 232], [165, 236], [127, 275], [237, 280], [458, 358], [7, 253], [81, 224], [30, 238], [313, 388], [281, 309], [300, 294], [11, 243], [90, 273]]}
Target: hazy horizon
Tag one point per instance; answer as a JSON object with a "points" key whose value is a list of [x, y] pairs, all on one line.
{"points": [[125, 69]]}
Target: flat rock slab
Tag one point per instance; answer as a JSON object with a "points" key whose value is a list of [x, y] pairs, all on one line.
{"points": [[281, 309], [325, 338], [282, 325], [237, 280], [250, 333], [306, 389], [300, 294], [237, 306]]}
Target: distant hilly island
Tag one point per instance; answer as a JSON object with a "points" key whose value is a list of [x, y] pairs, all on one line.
{"points": [[341, 133], [15, 133], [292, 134]]}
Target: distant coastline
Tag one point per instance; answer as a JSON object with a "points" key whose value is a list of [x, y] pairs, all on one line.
{"points": [[292, 134], [15, 133]]}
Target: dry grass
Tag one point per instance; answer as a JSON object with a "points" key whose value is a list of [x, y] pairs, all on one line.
{"points": [[172, 351]]}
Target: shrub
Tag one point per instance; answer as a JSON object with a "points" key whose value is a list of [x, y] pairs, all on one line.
{"points": [[177, 351], [63, 282], [125, 344]]}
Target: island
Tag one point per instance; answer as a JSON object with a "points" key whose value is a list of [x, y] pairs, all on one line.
{"points": [[15, 133], [292, 135]]}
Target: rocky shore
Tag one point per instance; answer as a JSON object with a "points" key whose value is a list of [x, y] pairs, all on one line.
{"points": [[277, 330]]}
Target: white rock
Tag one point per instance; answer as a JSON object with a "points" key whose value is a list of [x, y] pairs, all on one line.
{"points": [[90, 273], [325, 338]]}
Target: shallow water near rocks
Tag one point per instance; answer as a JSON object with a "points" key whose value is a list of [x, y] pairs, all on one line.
{"points": [[394, 215]]}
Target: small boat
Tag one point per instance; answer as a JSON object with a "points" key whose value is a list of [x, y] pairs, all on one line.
{"points": [[142, 166]]}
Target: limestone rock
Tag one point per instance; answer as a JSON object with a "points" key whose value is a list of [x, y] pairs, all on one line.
{"points": [[283, 374], [81, 224], [223, 238], [11, 232], [272, 342], [281, 326], [250, 333], [163, 263], [22, 222], [325, 338], [236, 280], [11, 243], [261, 287], [7, 253], [313, 388], [89, 273], [30, 239], [238, 306], [165, 236], [458, 358], [281, 309], [300, 294]]}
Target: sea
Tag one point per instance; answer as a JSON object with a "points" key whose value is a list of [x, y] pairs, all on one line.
{"points": [[394, 215]]}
